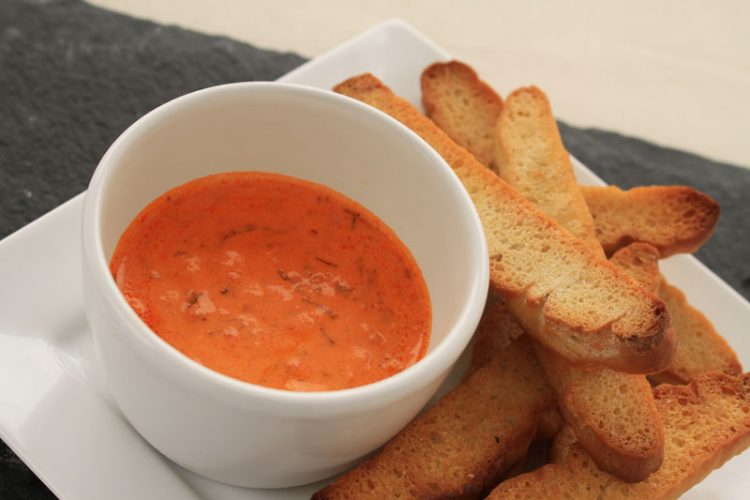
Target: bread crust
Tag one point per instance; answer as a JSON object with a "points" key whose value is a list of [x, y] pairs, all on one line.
{"points": [[554, 285], [531, 157], [673, 219], [612, 412], [613, 415], [463, 106]]}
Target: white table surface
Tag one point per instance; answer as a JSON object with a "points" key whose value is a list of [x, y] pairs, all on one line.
{"points": [[674, 72]]}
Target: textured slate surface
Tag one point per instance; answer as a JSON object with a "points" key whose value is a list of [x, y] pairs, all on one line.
{"points": [[73, 76]]}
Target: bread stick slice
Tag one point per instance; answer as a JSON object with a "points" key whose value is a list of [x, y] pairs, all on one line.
{"points": [[612, 413], [518, 139], [706, 423], [522, 133], [613, 416], [463, 106], [531, 157], [674, 219], [700, 348], [641, 262], [565, 296], [460, 447]]}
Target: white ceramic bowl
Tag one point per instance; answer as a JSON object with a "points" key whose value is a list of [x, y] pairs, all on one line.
{"points": [[233, 431]]}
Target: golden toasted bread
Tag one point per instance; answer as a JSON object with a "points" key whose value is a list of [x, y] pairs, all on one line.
{"points": [[564, 295], [462, 446], [673, 219], [530, 150], [612, 413], [463, 106], [531, 158], [699, 346], [706, 423]]}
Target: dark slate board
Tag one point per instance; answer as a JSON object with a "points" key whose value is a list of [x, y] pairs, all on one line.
{"points": [[73, 76]]}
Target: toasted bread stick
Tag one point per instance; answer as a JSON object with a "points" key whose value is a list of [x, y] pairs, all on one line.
{"points": [[706, 423], [613, 413], [462, 446], [613, 416], [463, 106], [674, 219], [568, 298], [531, 157], [700, 348], [473, 114]]}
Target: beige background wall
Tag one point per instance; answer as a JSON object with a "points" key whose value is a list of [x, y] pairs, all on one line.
{"points": [[673, 72]]}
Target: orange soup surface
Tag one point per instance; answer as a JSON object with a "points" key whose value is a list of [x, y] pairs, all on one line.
{"points": [[275, 281]]}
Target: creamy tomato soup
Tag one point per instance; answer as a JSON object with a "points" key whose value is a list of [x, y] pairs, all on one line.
{"points": [[276, 281]]}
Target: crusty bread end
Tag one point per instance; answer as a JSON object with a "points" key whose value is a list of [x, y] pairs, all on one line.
{"points": [[463, 106], [613, 415], [531, 157]]}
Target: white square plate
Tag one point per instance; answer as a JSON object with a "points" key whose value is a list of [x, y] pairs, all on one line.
{"points": [[55, 411]]}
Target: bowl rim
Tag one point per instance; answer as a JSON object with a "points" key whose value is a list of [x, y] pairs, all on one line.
{"points": [[425, 371]]}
